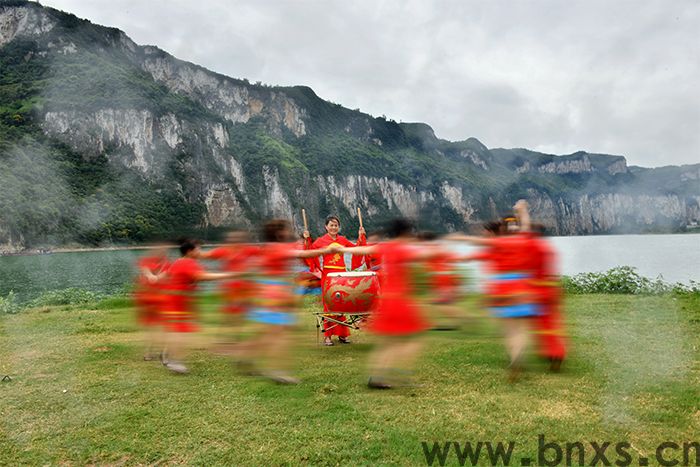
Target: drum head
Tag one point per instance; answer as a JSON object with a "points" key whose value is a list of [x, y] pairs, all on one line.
{"points": [[352, 274]]}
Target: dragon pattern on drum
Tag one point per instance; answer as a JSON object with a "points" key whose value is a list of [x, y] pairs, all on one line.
{"points": [[348, 292]]}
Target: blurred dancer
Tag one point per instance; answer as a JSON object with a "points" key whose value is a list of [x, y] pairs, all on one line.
{"points": [[398, 320], [373, 262], [510, 293], [237, 256], [549, 329], [444, 284], [334, 262], [150, 298], [180, 314], [269, 352]]}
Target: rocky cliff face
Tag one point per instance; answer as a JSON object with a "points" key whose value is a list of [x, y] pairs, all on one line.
{"points": [[224, 96], [240, 152], [611, 212]]}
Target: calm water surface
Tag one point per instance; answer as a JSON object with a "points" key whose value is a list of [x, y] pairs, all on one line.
{"points": [[675, 257]]}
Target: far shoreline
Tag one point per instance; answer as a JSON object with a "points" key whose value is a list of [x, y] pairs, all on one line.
{"points": [[85, 249]]}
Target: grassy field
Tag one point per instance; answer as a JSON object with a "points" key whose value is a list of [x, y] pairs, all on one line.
{"points": [[81, 394]]}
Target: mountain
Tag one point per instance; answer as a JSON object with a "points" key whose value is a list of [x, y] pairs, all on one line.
{"points": [[106, 141]]}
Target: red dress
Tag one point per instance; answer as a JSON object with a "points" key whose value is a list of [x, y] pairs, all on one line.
{"points": [[149, 297], [398, 313], [181, 285], [510, 261], [334, 262], [276, 299], [550, 333], [237, 292], [445, 281]]}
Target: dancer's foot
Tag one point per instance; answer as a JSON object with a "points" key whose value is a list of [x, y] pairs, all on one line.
{"points": [[514, 372], [327, 342], [177, 367], [344, 340], [282, 378], [374, 383], [555, 364], [445, 327], [247, 368]]}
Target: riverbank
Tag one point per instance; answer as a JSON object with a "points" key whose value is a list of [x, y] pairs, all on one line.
{"points": [[82, 249]]}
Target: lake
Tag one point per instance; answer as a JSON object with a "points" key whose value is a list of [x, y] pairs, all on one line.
{"points": [[675, 257]]}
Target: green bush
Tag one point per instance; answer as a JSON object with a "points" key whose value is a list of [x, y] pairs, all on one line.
{"points": [[9, 304], [70, 296], [624, 280]]}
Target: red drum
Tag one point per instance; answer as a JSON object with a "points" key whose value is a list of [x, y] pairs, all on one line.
{"points": [[348, 292]]}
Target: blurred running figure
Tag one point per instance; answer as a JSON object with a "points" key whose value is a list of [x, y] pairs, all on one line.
{"points": [[180, 315], [549, 328], [398, 320], [237, 256], [510, 292], [150, 298], [269, 352]]}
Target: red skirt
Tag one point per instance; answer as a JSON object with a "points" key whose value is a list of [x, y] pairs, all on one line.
{"points": [[149, 307], [179, 314], [398, 316], [237, 296]]}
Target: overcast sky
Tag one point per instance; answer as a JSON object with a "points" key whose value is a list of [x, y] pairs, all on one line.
{"points": [[617, 77]]}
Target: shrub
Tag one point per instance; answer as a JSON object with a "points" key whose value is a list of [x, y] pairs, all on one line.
{"points": [[9, 304], [70, 296], [624, 280]]}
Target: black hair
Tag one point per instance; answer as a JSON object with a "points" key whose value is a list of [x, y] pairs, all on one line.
{"points": [[332, 218], [427, 235], [495, 227], [399, 227], [272, 228], [186, 245]]}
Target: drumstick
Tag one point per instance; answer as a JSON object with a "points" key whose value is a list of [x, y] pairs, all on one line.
{"points": [[359, 216], [303, 215]]}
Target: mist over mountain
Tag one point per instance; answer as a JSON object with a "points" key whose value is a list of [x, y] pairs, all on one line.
{"points": [[105, 141]]}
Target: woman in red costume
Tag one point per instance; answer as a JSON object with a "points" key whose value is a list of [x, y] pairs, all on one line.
{"points": [[398, 319], [334, 262], [268, 352], [511, 296], [149, 296], [237, 255], [180, 314], [549, 329]]}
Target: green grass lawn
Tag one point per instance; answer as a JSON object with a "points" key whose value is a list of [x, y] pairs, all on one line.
{"points": [[81, 394]]}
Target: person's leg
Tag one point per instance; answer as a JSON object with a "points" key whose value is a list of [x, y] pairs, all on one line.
{"points": [[249, 352], [150, 342], [342, 331], [280, 355], [380, 361], [176, 341], [408, 352], [516, 337]]}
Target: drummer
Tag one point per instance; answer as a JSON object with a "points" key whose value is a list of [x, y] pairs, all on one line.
{"points": [[334, 262]]}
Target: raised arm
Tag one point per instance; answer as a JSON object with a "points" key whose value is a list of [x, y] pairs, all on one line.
{"points": [[361, 237], [216, 276], [359, 250], [310, 253], [522, 212], [458, 237]]}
